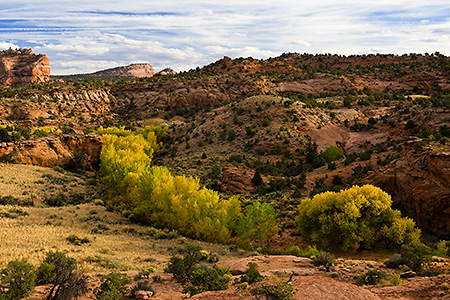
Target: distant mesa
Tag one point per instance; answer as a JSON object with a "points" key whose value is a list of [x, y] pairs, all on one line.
{"points": [[167, 71], [22, 66], [133, 70]]}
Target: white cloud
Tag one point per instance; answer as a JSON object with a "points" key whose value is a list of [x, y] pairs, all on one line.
{"points": [[6, 45], [86, 35], [302, 43]]}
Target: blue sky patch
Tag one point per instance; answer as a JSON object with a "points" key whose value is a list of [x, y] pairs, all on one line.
{"points": [[122, 13]]}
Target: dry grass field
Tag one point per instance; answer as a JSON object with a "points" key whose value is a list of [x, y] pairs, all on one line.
{"points": [[36, 183], [111, 242]]}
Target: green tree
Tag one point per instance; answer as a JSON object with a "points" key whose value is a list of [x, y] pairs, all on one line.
{"points": [[258, 223], [416, 255], [281, 291], [332, 153], [113, 286], [194, 277], [207, 279], [17, 280], [257, 179], [311, 152], [182, 268], [66, 282], [354, 218], [252, 274]]}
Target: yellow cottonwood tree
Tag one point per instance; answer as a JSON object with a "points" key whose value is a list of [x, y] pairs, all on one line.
{"points": [[354, 218], [153, 195]]}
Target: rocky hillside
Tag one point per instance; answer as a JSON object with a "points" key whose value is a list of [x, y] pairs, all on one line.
{"points": [[290, 74], [236, 118], [22, 66], [275, 130], [273, 137]]}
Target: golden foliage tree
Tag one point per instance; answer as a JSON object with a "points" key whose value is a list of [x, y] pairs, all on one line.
{"points": [[354, 218], [152, 195]]}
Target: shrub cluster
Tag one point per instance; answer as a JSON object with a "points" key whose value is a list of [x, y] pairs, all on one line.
{"points": [[371, 277], [12, 133], [311, 251], [325, 259], [252, 274], [17, 280], [113, 286], [76, 240], [281, 291], [196, 277]]}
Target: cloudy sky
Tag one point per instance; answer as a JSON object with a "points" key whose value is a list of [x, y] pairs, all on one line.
{"points": [[88, 35]]}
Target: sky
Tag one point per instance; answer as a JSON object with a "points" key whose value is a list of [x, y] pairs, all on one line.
{"points": [[84, 36]]}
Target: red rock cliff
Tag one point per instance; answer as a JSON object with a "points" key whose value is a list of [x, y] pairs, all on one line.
{"points": [[55, 151], [419, 183], [22, 66]]}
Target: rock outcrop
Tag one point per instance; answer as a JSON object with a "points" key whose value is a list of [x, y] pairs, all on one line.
{"points": [[22, 66], [274, 265], [55, 151], [419, 183], [237, 180], [418, 288], [134, 70], [306, 280]]}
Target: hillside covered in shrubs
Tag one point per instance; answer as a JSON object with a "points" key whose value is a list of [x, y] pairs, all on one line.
{"points": [[338, 164]]}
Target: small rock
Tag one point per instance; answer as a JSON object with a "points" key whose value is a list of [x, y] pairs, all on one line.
{"points": [[143, 295], [346, 270], [408, 274]]}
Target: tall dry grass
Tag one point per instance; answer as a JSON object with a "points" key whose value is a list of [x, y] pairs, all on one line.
{"points": [[120, 248]]}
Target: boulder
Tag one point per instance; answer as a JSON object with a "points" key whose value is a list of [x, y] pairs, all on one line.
{"points": [[415, 289], [237, 179], [324, 288]]}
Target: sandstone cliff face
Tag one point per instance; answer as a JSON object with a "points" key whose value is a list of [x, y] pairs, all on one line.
{"points": [[23, 66], [134, 70], [55, 151], [419, 183]]}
